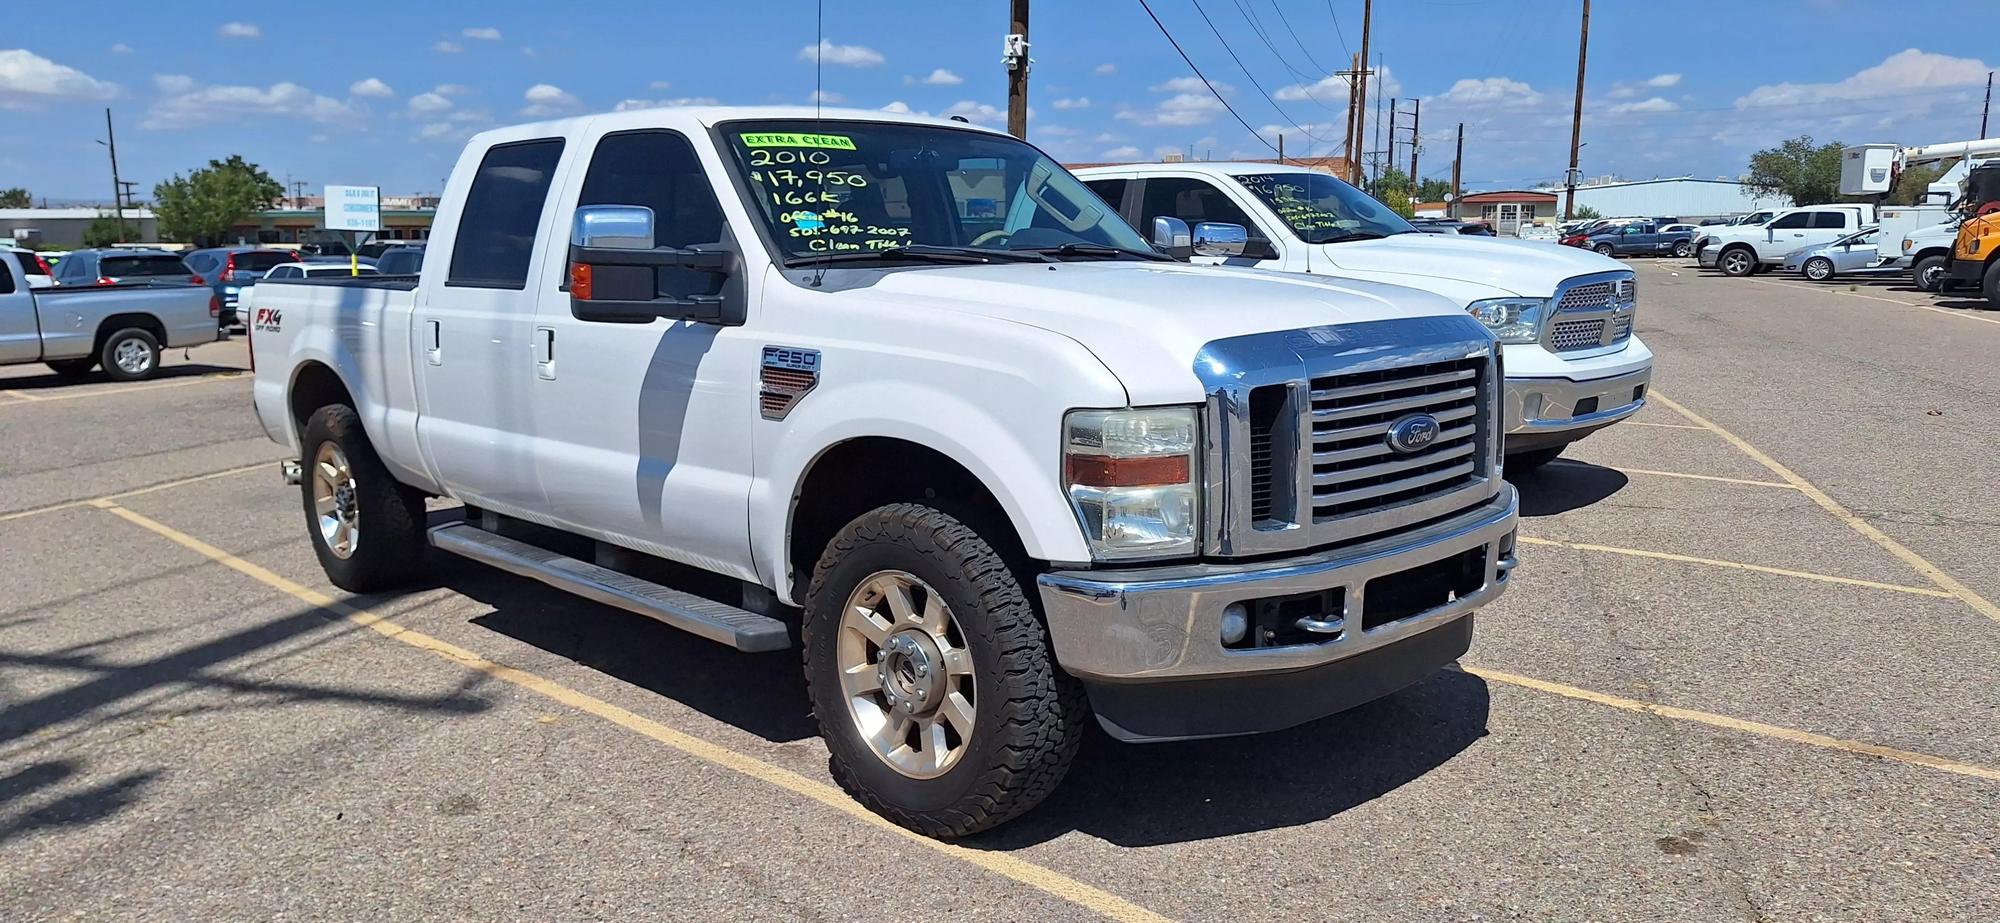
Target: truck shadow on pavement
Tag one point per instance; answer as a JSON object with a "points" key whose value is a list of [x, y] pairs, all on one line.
{"points": [[52, 381], [1565, 485]]}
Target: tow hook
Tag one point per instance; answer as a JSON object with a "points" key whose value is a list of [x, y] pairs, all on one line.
{"points": [[292, 470]]}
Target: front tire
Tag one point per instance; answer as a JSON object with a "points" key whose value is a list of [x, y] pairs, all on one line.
{"points": [[1818, 269], [932, 679], [130, 355], [1992, 284], [1683, 248], [367, 529], [1737, 262], [1606, 250], [1929, 273]]}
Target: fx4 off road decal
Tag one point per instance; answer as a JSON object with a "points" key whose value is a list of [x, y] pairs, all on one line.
{"points": [[268, 320]]}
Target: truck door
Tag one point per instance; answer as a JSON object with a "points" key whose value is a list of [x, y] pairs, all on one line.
{"points": [[1829, 226], [472, 333], [646, 428], [1786, 234], [20, 331], [1197, 200]]}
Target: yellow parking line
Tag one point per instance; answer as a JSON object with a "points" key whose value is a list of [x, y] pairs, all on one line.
{"points": [[1737, 565], [1662, 425], [1907, 304], [1020, 870], [1680, 474], [1931, 572], [1761, 729], [106, 392], [22, 395], [73, 504]]}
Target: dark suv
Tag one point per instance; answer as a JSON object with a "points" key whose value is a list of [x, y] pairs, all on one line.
{"points": [[228, 269], [121, 264]]}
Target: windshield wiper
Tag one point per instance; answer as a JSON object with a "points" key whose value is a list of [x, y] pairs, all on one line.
{"points": [[927, 253], [1081, 249], [1353, 235]]}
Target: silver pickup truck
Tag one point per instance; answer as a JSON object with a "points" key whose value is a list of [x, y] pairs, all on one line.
{"points": [[122, 327]]}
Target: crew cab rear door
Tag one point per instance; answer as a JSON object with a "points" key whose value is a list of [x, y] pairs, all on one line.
{"points": [[20, 330]]}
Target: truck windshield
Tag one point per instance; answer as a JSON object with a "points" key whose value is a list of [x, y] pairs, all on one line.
{"points": [[1321, 209], [853, 188]]}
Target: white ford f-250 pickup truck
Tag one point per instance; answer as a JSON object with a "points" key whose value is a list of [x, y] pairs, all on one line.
{"points": [[1574, 365], [932, 411]]}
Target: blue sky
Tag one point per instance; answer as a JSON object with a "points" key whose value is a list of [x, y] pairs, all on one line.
{"points": [[383, 94]]}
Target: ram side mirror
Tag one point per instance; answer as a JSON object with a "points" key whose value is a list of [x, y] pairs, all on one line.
{"points": [[615, 266], [1171, 236], [1215, 238]]}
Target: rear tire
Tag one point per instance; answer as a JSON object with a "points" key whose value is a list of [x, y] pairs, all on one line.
{"points": [[130, 355], [72, 368], [1606, 250], [1818, 269], [1026, 715], [1737, 262], [1929, 273], [1683, 248], [1524, 462], [1992, 284], [367, 529]]}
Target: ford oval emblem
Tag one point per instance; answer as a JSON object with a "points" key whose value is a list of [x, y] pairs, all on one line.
{"points": [[1413, 433]]}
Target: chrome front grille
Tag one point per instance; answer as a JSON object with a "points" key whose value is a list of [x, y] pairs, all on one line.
{"points": [[1589, 296], [1572, 335], [1354, 469], [1299, 452], [1593, 314]]}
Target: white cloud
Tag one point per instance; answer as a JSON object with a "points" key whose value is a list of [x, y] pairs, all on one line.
{"points": [[482, 33], [825, 96], [1903, 71], [27, 80], [1662, 81], [1105, 137], [1121, 153], [371, 87], [240, 30], [1655, 104], [1331, 91], [897, 106], [1492, 91], [546, 100], [844, 55], [659, 85], [943, 78], [1080, 102], [121, 48], [447, 47], [200, 105], [626, 105], [528, 51], [1104, 70], [1189, 85], [429, 102], [451, 89], [1181, 109], [1057, 131], [173, 83], [975, 112], [454, 127]]}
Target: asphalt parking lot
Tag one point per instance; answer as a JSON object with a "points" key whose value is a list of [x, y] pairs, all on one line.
{"points": [[1748, 670]]}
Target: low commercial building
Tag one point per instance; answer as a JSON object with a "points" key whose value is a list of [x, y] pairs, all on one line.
{"points": [[1683, 198], [62, 228], [1505, 210]]}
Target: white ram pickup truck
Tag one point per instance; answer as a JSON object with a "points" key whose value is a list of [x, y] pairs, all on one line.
{"points": [[1745, 249], [916, 401], [1574, 365]]}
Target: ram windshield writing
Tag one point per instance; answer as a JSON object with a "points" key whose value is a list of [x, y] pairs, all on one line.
{"points": [[851, 189], [1318, 208]]}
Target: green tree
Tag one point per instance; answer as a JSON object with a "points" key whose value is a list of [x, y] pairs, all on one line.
{"points": [[1809, 174], [203, 206], [1433, 190], [1390, 178], [1586, 213], [103, 232], [16, 197], [1912, 184]]}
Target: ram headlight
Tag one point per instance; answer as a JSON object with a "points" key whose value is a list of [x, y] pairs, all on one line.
{"points": [[1512, 320], [1132, 478]]}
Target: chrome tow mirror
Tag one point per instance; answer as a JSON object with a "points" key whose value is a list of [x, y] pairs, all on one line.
{"points": [[1215, 238], [612, 227]]}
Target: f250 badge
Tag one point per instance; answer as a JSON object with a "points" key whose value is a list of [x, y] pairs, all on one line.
{"points": [[789, 373], [268, 320]]}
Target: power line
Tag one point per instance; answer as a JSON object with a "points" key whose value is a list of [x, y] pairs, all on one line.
{"points": [[1336, 29], [1257, 27], [1251, 77], [1295, 39], [1203, 77]]}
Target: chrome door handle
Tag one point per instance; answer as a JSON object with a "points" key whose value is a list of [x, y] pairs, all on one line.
{"points": [[433, 343], [545, 353]]}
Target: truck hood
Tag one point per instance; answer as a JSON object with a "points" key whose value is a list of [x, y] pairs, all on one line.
{"points": [[1511, 267], [1732, 232], [1146, 321]]}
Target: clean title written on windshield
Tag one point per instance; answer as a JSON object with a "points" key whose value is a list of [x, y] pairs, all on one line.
{"points": [[805, 192]]}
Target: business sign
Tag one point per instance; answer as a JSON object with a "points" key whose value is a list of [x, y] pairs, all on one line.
{"points": [[353, 208]]}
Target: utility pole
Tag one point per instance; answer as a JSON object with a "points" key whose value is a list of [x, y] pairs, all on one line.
{"points": [[1987, 109], [1389, 149], [1016, 56], [1576, 117], [1377, 172], [1347, 154], [1359, 112], [1281, 148], [1416, 119], [1457, 161], [117, 188]]}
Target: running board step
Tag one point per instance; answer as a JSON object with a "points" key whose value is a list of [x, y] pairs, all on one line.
{"points": [[738, 628]]}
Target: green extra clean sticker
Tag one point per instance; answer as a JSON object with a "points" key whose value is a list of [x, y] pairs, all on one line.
{"points": [[796, 139]]}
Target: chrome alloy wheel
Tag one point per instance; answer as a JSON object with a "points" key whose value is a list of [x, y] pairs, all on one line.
{"points": [[1819, 270], [132, 357], [1736, 262], [906, 674], [334, 502]]}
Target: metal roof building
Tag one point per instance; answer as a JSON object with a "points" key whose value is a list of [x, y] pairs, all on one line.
{"points": [[1679, 198]]}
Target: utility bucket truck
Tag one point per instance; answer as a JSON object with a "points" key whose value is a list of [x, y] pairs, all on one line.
{"points": [[1930, 237]]}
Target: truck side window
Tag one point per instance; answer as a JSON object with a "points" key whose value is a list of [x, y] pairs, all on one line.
{"points": [[659, 170], [1112, 191], [1793, 221], [503, 210], [1190, 200], [1829, 220], [7, 275]]}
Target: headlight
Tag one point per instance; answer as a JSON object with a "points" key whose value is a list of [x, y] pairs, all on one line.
{"points": [[1512, 320], [1132, 477], [1909, 244]]}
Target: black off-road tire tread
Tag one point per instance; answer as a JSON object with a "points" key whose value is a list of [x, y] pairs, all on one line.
{"points": [[1044, 709], [111, 368], [1992, 285], [392, 515]]}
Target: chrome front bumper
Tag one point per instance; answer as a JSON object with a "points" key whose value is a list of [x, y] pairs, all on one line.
{"points": [[1160, 625], [1546, 407]]}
